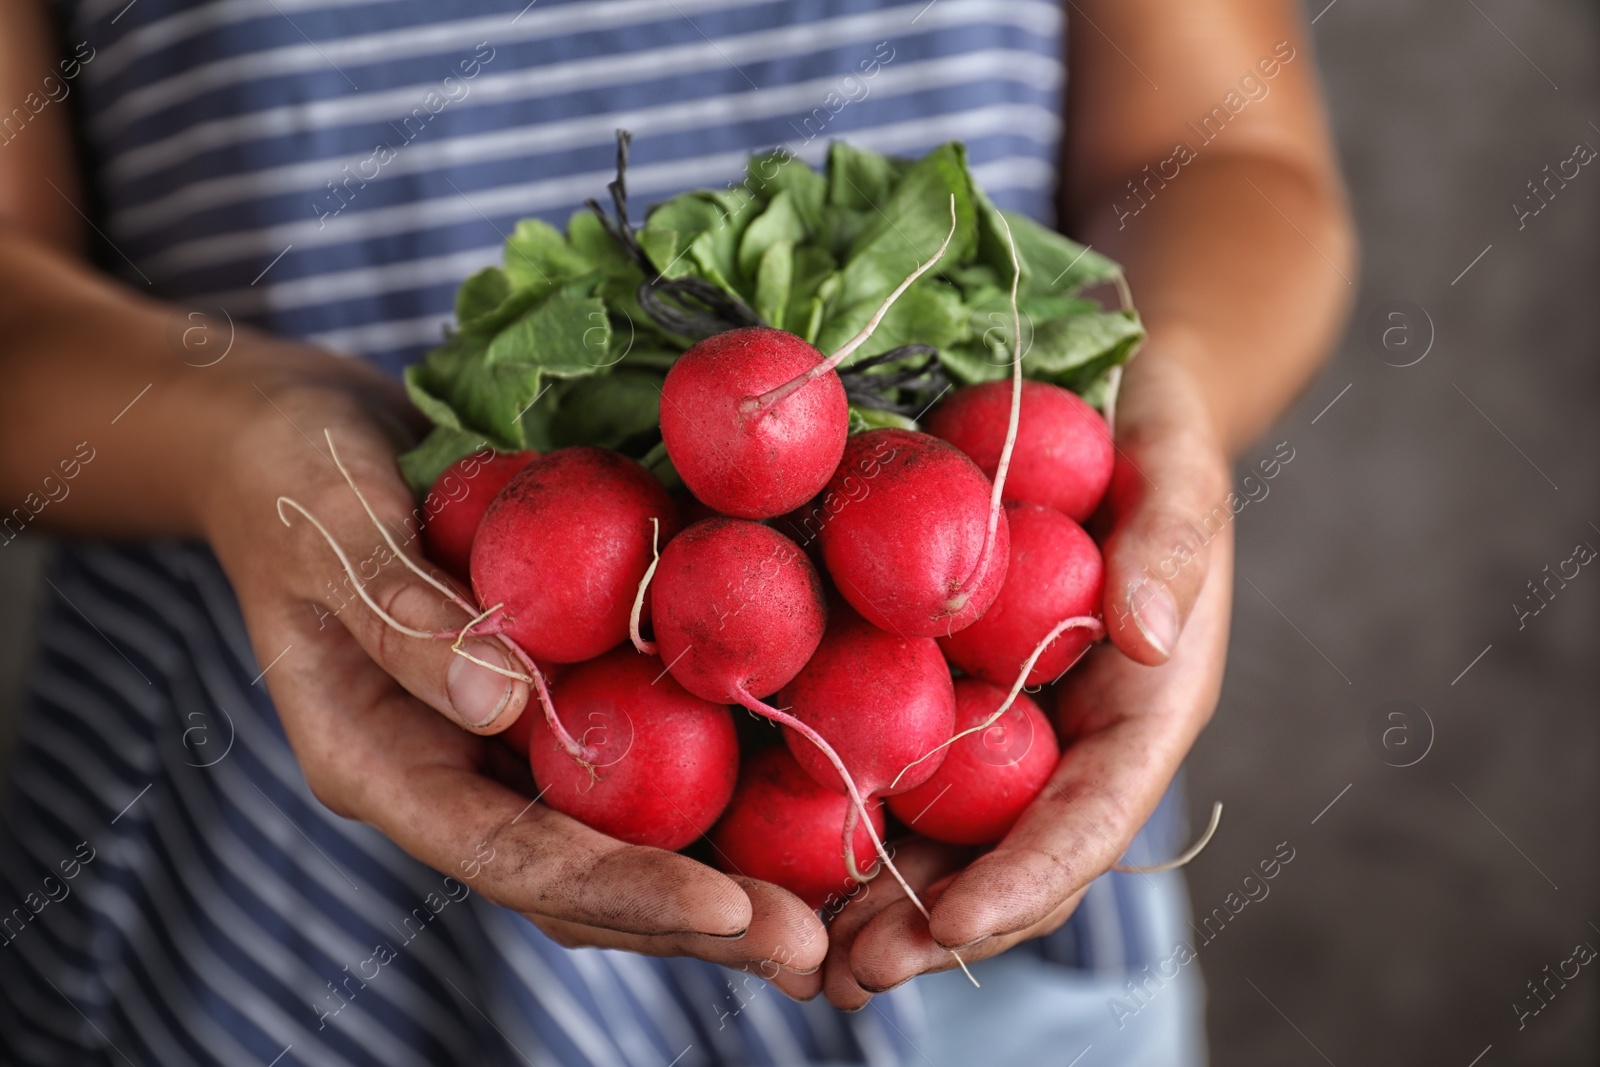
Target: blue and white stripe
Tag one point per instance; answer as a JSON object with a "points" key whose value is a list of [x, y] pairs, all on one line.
{"points": [[222, 901]]}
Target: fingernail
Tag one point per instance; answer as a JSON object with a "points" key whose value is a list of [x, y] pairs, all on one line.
{"points": [[478, 694], [875, 990], [1156, 615], [969, 944], [802, 974], [730, 937]]}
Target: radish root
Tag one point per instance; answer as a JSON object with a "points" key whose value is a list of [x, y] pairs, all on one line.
{"points": [[1096, 629], [958, 597], [764, 402], [859, 806], [1193, 850], [647, 647], [533, 677]]}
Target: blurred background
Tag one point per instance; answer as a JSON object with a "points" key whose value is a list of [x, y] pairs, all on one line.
{"points": [[1395, 709]]}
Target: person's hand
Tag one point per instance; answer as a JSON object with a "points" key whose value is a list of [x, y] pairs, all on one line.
{"points": [[389, 728], [1127, 714]]}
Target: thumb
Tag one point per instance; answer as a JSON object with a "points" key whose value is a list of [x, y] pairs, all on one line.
{"points": [[1169, 499], [475, 696]]}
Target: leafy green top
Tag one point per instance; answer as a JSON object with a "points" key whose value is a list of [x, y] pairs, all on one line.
{"points": [[553, 348]]}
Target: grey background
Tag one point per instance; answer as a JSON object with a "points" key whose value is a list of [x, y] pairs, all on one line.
{"points": [[1392, 548]]}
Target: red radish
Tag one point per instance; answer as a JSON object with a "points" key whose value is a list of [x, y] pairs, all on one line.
{"points": [[457, 501], [881, 700], [755, 419], [1055, 573], [738, 609], [662, 762], [759, 463], [906, 547], [987, 777], [1063, 456], [746, 605], [563, 548], [782, 827]]}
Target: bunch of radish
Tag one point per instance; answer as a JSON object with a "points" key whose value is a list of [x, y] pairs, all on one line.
{"points": [[882, 597]]}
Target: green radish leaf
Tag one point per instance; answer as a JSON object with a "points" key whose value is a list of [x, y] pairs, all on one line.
{"points": [[487, 399], [422, 465], [440, 412], [1050, 262], [873, 419], [860, 180], [773, 281], [591, 240], [538, 257], [1076, 351], [779, 222], [607, 410], [930, 314], [481, 294], [911, 225], [779, 171], [567, 336], [813, 269]]}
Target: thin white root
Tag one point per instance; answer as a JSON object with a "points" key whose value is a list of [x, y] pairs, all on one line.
{"points": [[647, 647], [1193, 850], [860, 805], [1077, 622], [470, 658], [350, 571], [533, 677], [996, 503], [388, 538], [768, 399]]}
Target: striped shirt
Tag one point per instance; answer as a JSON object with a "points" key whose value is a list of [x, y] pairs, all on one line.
{"points": [[331, 170]]}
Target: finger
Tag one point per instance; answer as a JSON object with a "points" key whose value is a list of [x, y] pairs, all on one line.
{"points": [[378, 587], [372, 752], [784, 944], [1168, 501], [1126, 728], [896, 946], [921, 862]]}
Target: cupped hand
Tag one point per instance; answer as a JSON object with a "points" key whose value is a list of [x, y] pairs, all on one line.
{"points": [[389, 729], [1127, 715]]}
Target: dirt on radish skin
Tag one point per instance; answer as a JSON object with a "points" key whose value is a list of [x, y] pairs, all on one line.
{"points": [[457, 501], [665, 761], [1055, 573], [752, 464], [881, 700], [987, 778], [904, 547], [738, 609], [784, 828], [1063, 455], [564, 547]]}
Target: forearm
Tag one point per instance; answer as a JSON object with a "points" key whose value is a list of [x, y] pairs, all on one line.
{"points": [[1242, 267], [1198, 154], [109, 425]]}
